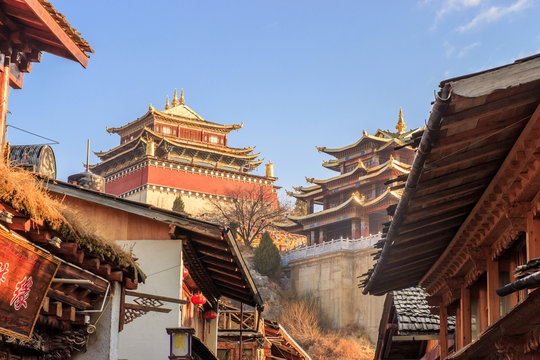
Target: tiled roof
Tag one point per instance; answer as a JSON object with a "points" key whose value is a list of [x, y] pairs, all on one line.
{"points": [[414, 313]]}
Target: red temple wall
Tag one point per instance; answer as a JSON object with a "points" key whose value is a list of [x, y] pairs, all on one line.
{"points": [[185, 180]]}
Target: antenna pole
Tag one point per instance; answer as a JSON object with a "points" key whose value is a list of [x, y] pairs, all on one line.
{"points": [[87, 155]]}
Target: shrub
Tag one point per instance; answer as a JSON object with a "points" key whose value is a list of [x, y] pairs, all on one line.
{"points": [[178, 204], [267, 258]]}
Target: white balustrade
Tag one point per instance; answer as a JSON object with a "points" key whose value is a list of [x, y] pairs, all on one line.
{"points": [[329, 247]]}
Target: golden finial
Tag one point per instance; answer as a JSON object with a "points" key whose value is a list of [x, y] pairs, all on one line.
{"points": [[310, 180], [400, 124], [364, 132], [319, 148], [290, 193], [167, 106], [175, 99], [182, 97], [361, 164]]}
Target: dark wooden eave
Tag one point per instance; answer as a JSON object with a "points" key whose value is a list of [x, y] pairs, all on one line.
{"points": [[468, 137], [33, 26]]}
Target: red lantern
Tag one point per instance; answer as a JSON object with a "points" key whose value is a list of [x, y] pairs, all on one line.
{"points": [[184, 273], [209, 315], [198, 299]]}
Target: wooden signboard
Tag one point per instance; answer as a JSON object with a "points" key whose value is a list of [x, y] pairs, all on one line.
{"points": [[26, 273]]}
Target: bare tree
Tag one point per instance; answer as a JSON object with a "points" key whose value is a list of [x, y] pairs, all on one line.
{"points": [[253, 209]]}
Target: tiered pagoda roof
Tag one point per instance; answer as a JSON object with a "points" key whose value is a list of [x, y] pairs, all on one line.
{"points": [[358, 175], [355, 199], [139, 135], [383, 139]]}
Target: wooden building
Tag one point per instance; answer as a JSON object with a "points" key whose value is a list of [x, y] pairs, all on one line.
{"points": [[176, 153], [59, 279], [29, 28], [185, 259], [244, 331], [408, 329], [469, 213], [354, 202]]}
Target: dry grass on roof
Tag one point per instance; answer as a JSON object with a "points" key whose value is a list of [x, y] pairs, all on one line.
{"points": [[25, 193]]}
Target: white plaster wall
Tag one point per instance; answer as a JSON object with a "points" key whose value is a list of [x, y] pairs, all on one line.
{"points": [[332, 280], [145, 338]]}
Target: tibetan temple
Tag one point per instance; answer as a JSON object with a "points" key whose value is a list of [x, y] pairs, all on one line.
{"points": [[176, 153], [354, 202]]}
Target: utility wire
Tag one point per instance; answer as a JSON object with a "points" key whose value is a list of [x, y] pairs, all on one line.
{"points": [[52, 142]]}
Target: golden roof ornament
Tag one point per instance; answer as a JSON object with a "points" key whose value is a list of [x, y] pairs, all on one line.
{"points": [[361, 164], [151, 108], [359, 198], [310, 180], [167, 106], [400, 124], [182, 97], [289, 193], [391, 161], [297, 188], [319, 148], [364, 132], [175, 99]]}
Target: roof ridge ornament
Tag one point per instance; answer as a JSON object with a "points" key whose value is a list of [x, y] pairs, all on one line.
{"points": [[319, 148], [167, 105], [400, 124], [365, 133], [361, 164], [151, 108], [182, 97], [310, 180], [359, 198], [175, 99], [391, 161]]}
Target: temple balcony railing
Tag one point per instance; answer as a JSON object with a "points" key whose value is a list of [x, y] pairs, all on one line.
{"points": [[327, 247]]}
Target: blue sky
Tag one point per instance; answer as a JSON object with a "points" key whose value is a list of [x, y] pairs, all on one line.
{"points": [[296, 73]]}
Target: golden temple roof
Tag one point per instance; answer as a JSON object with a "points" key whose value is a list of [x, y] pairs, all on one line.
{"points": [[369, 173], [179, 113], [355, 199]]}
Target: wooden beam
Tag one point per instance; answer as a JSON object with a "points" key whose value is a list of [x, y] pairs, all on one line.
{"points": [[58, 32]]}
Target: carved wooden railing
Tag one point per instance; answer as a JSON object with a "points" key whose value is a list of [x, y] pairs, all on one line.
{"points": [[234, 320]]}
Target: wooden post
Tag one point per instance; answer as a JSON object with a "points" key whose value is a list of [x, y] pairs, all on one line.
{"points": [[443, 326], [492, 285], [459, 342], [465, 305], [482, 309], [241, 325], [533, 237], [4, 92]]}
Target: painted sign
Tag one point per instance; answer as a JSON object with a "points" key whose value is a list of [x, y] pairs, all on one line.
{"points": [[26, 272], [181, 344]]}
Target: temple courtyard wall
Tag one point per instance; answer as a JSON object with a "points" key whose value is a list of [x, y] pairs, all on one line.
{"points": [[329, 273]]}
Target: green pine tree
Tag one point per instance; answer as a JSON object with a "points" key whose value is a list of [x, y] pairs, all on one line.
{"points": [[267, 257], [178, 204]]}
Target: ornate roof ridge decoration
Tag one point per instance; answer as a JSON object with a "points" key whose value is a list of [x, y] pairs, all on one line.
{"points": [[390, 164], [182, 114], [234, 152], [306, 194], [355, 199]]}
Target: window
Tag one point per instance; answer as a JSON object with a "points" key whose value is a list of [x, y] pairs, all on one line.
{"points": [[167, 130], [214, 139]]}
